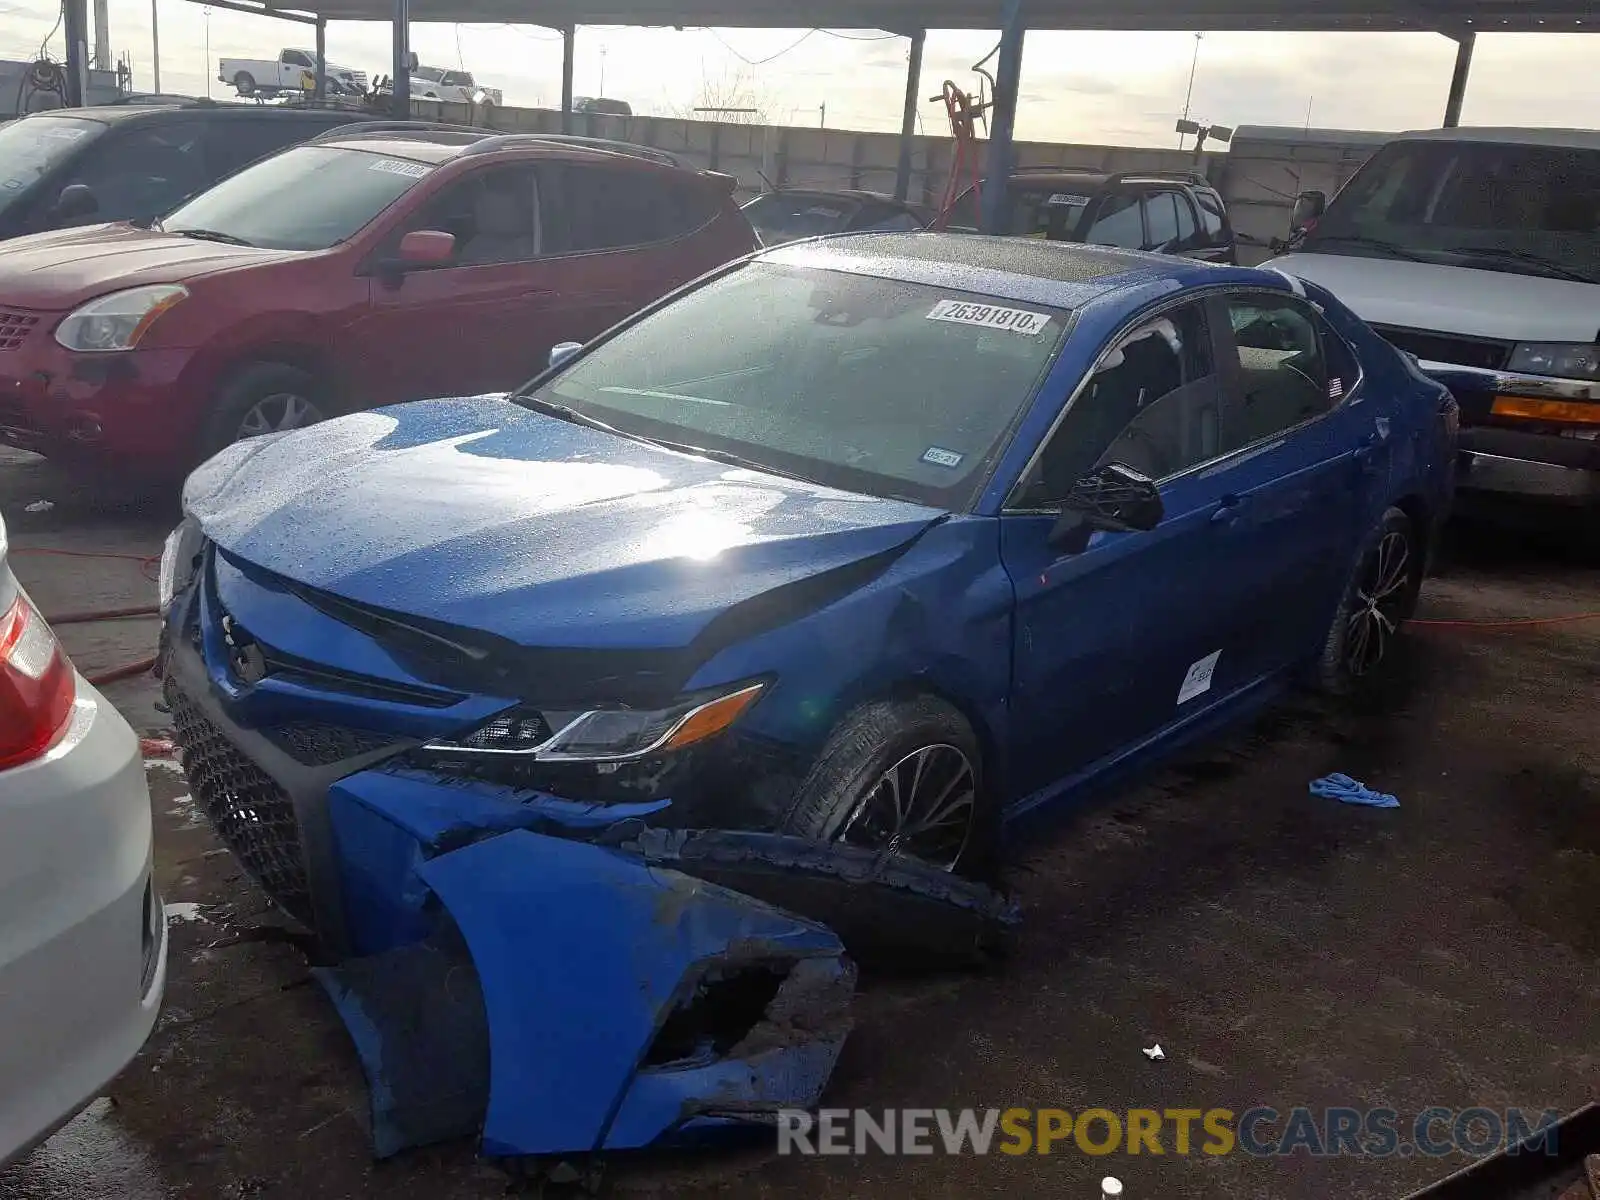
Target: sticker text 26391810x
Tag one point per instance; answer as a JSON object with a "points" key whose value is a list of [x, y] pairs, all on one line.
{"points": [[990, 316]]}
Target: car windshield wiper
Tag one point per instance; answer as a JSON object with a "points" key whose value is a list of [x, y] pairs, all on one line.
{"points": [[724, 456], [211, 235], [1547, 266], [1356, 239], [567, 413]]}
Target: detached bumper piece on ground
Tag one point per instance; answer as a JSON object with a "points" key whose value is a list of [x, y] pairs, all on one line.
{"points": [[559, 976]]}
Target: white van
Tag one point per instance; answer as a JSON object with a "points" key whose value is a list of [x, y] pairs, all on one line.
{"points": [[1478, 251]]}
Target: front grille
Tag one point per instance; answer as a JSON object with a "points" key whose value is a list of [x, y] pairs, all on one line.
{"points": [[314, 744], [251, 813], [1484, 353], [15, 326]]}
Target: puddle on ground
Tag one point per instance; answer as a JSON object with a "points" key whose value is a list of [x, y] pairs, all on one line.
{"points": [[92, 1158]]}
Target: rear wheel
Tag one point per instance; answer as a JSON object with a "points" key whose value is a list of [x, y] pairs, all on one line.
{"points": [[262, 398], [244, 83], [905, 777], [1379, 597]]}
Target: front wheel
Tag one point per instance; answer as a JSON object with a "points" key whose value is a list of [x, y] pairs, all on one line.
{"points": [[262, 398], [905, 777], [1380, 596]]}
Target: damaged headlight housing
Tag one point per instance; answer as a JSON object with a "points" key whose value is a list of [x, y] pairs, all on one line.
{"points": [[118, 321], [179, 558], [1556, 358], [603, 735]]}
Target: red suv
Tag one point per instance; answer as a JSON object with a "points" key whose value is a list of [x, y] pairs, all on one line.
{"points": [[368, 266]]}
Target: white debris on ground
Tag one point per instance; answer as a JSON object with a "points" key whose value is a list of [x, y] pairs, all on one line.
{"points": [[39, 506], [164, 764], [185, 911], [184, 806], [1155, 1053]]}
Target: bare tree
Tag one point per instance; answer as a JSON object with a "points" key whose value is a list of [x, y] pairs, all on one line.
{"points": [[740, 97]]}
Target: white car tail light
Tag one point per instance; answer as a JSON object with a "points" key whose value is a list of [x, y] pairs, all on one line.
{"points": [[37, 687]]}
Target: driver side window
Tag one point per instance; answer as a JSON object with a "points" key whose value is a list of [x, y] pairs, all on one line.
{"points": [[493, 213], [1152, 405], [141, 172]]}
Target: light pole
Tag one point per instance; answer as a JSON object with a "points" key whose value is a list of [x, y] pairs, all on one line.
{"points": [[155, 46], [207, 12], [602, 70], [1189, 96]]}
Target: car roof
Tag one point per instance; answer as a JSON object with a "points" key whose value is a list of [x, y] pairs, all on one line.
{"points": [[1564, 139], [838, 194], [423, 141], [117, 114], [1031, 270]]}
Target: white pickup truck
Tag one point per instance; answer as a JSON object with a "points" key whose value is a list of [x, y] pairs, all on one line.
{"points": [[286, 73], [436, 83]]}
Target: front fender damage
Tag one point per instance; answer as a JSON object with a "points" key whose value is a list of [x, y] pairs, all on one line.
{"points": [[564, 987]]}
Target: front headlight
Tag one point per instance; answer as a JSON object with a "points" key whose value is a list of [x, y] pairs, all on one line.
{"points": [[118, 321], [602, 735], [1561, 359], [179, 557]]}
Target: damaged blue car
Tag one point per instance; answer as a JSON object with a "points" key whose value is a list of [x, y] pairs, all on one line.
{"points": [[745, 636]]}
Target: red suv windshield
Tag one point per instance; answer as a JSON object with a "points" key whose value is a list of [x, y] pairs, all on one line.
{"points": [[307, 198]]}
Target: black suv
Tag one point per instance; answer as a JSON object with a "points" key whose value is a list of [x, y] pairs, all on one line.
{"points": [[1171, 212], [76, 166]]}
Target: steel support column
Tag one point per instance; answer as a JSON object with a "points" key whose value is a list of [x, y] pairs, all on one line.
{"points": [[1465, 43], [401, 79], [996, 215], [908, 119], [75, 24], [569, 55], [321, 88]]}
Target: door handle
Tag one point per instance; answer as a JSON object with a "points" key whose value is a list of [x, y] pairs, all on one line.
{"points": [[537, 294], [1228, 510]]}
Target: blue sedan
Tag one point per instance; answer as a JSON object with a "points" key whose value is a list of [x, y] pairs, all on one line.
{"points": [[878, 541]]}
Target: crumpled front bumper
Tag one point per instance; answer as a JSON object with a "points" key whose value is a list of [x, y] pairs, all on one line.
{"points": [[557, 975]]}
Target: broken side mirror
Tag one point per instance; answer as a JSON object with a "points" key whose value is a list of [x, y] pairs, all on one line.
{"points": [[1114, 498], [1308, 207], [561, 351], [77, 200]]}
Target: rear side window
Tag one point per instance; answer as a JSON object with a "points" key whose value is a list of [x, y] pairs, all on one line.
{"points": [[232, 144], [589, 209], [1161, 215], [1283, 375], [1210, 214], [143, 172]]}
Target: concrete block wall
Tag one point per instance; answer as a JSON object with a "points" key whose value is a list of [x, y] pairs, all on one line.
{"points": [[1259, 177]]}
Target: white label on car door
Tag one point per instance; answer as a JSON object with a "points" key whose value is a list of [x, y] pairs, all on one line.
{"points": [[990, 316], [1198, 681]]}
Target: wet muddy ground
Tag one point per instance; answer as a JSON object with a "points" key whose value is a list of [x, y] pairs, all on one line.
{"points": [[1283, 950]]}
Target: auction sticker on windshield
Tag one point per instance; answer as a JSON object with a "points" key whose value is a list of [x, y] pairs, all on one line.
{"points": [[398, 166], [990, 316]]}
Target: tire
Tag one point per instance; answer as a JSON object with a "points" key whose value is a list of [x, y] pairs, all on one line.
{"points": [[1379, 596], [844, 797], [254, 401], [244, 83]]}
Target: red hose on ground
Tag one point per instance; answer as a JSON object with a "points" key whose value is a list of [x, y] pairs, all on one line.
{"points": [[1524, 623]]}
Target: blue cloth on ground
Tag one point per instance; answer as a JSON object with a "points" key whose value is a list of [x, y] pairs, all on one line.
{"points": [[1351, 791]]}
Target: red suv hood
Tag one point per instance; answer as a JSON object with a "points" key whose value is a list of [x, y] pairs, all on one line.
{"points": [[60, 270]]}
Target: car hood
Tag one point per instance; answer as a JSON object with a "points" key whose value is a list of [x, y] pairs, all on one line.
{"points": [[483, 515], [59, 270], [1459, 300]]}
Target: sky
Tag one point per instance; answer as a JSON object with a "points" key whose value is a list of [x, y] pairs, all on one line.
{"points": [[1112, 88]]}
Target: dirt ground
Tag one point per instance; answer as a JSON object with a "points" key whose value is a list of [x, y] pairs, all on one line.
{"points": [[1283, 950]]}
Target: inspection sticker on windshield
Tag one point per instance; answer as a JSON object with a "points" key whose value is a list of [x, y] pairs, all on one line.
{"points": [[1198, 681], [990, 316], [940, 457], [1067, 200], [399, 166]]}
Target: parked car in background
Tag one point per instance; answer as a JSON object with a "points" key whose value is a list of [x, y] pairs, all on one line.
{"points": [[359, 269], [82, 931], [1171, 212], [930, 532], [602, 106], [286, 73], [787, 214], [437, 83], [132, 162], [1478, 251]]}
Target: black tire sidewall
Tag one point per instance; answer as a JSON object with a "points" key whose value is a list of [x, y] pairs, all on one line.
{"points": [[244, 389], [866, 743], [244, 83], [1333, 670]]}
